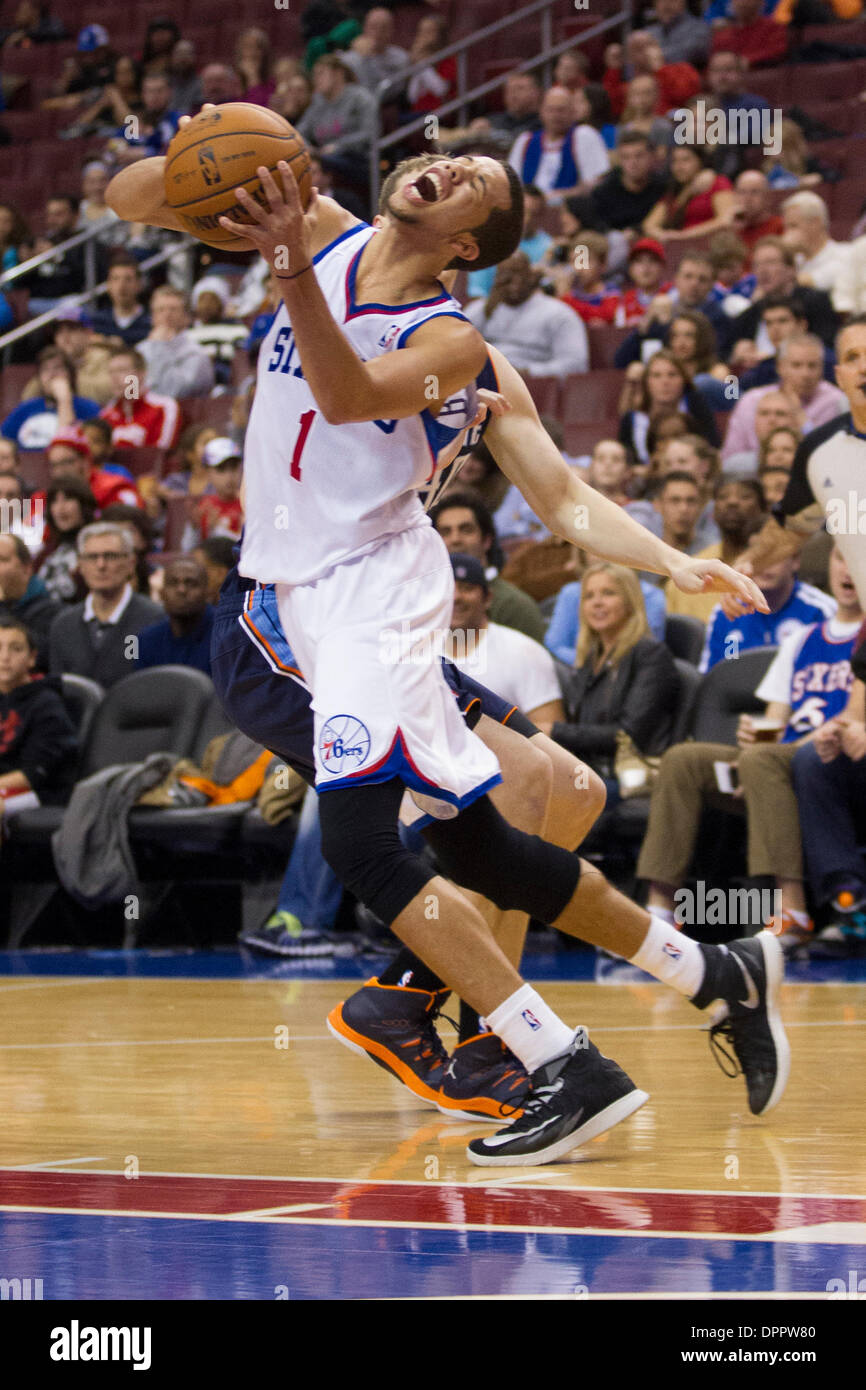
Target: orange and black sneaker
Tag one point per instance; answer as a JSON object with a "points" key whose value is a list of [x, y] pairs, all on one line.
{"points": [[395, 1026], [484, 1081]]}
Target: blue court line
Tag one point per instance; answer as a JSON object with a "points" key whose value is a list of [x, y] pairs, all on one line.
{"points": [[545, 958], [123, 1257]]}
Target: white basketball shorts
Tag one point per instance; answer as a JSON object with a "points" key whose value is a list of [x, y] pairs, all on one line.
{"points": [[368, 636]]}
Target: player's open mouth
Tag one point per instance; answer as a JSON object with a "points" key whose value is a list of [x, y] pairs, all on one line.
{"points": [[429, 187]]}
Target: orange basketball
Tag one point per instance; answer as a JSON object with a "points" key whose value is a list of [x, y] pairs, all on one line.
{"points": [[220, 150]]}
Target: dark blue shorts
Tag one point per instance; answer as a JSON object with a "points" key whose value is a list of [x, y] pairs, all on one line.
{"points": [[263, 693]]}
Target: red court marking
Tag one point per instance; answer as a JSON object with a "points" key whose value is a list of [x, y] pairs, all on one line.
{"points": [[428, 1203]]}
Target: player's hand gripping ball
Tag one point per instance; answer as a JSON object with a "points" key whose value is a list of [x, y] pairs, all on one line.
{"points": [[220, 150]]}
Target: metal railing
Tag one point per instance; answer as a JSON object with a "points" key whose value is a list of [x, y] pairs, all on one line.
{"points": [[460, 103], [185, 245]]}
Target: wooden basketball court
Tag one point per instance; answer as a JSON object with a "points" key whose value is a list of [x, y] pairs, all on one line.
{"points": [[184, 1135]]}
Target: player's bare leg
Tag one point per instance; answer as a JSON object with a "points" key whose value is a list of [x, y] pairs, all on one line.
{"points": [[577, 796], [523, 799]]}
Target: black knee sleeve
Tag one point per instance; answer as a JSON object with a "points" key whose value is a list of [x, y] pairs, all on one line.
{"points": [[361, 843], [481, 851]]}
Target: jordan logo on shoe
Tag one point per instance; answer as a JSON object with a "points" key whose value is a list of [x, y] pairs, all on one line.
{"points": [[752, 999]]}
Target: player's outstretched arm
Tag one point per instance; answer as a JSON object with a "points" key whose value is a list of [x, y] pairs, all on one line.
{"points": [[775, 542], [137, 194], [442, 357], [573, 510]]}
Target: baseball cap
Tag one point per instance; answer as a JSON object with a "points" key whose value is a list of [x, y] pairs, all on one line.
{"points": [[650, 246], [73, 313], [219, 451], [91, 37], [73, 439], [469, 570]]}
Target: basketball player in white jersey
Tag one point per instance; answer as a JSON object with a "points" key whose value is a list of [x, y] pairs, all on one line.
{"points": [[364, 557]]}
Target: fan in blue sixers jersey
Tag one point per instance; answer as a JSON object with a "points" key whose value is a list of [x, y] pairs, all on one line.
{"points": [[346, 569]]}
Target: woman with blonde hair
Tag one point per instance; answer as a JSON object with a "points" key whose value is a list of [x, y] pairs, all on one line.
{"points": [[623, 680]]}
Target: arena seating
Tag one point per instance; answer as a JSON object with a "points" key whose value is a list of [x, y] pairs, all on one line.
{"points": [[132, 718]]}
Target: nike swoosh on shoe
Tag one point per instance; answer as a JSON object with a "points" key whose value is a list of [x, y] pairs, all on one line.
{"points": [[495, 1140]]}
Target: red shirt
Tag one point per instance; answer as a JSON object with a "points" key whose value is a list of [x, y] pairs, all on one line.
{"points": [[447, 70], [152, 421], [771, 226], [700, 208], [112, 487], [633, 303], [763, 41], [106, 487], [677, 84], [215, 517], [600, 307]]}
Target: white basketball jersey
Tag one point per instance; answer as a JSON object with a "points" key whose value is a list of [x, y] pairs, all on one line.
{"points": [[319, 494]]}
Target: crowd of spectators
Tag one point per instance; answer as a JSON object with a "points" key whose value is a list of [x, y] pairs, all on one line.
{"points": [[676, 298]]}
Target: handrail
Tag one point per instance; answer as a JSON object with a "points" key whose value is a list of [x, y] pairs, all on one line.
{"points": [[15, 271], [186, 243], [461, 101]]}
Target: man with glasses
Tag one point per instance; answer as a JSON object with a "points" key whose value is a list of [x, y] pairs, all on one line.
{"points": [[99, 637]]}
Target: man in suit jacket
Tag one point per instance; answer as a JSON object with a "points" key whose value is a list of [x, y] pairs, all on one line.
{"points": [[98, 638]]}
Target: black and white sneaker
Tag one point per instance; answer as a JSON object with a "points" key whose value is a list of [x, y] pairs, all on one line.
{"points": [[747, 975], [574, 1098]]}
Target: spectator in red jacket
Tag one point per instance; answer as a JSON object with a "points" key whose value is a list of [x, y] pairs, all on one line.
{"points": [[137, 416], [69, 453], [755, 36]]}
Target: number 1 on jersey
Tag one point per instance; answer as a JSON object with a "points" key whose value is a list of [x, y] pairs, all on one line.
{"points": [[306, 423]]}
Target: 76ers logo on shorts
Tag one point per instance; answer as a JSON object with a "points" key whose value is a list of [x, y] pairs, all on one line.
{"points": [[344, 745]]}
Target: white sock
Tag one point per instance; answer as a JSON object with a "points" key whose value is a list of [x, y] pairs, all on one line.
{"points": [[664, 914], [672, 957], [530, 1028]]}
